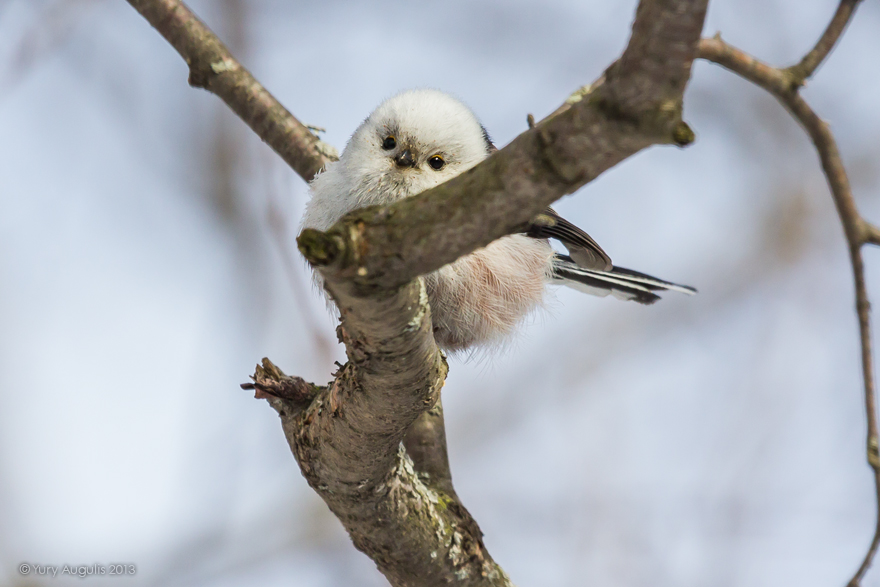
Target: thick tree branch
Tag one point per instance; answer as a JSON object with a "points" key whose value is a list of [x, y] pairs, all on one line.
{"points": [[348, 445], [784, 85], [372, 257], [633, 109], [212, 67], [655, 67], [349, 440], [425, 443]]}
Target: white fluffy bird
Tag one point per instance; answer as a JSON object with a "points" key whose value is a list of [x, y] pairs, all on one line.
{"points": [[419, 139]]}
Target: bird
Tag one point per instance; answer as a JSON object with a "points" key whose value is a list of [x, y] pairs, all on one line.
{"points": [[420, 138]]}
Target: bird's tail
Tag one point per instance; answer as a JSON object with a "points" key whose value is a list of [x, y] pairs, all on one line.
{"points": [[624, 284]]}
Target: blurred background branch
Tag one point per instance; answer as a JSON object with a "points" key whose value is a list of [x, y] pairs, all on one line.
{"points": [[785, 84]]}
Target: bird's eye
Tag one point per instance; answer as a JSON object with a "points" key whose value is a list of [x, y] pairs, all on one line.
{"points": [[436, 162], [389, 143]]}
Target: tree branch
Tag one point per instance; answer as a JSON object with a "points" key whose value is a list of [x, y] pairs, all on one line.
{"points": [[398, 505], [212, 67], [656, 64], [425, 443], [784, 85], [363, 263], [348, 445], [812, 60], [872, 234], [631, 110]]}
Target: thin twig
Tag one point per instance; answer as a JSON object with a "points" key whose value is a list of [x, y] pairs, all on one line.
{"points": [[812, 60], [872, 234], [784, 84], [863, 307]]}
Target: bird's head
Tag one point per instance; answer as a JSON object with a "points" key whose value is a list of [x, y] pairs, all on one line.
{"points": [[412, 142]]}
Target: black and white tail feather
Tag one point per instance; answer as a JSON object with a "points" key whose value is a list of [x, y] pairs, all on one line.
{"points": [[588, 268], [623, 284]]}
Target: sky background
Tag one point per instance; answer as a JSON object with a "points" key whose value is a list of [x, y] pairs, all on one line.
{"points": [[148, 261]]}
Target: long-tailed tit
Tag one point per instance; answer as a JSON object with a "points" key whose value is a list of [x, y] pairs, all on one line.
{"points": [[419, 139]]}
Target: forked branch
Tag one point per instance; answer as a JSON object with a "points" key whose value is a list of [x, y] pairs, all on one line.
{"points": [[398, 504], [784, 84], [812, 60]]}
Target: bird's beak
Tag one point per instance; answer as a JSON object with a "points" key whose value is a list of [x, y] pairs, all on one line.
{"points": [[405, 159]]}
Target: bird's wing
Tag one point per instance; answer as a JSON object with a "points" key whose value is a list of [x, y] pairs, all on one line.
{"points": [[585, 252], [583, 249]]}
